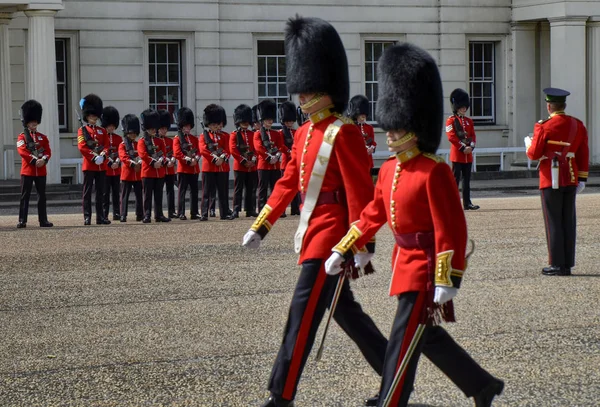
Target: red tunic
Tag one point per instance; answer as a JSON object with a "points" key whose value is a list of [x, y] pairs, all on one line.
{"points": [[170, 154], [114, 141], [276, 140], [425, 199], [208, 160], [28, 166], [184, 166], [457, 145], [347, 173], [369, 135], [128, 172], [238, 159], [148, 170], [100, 136], [287, 152], [575, 166]]}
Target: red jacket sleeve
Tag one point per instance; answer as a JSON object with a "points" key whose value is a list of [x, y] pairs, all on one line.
{"points": [[582, 155], [123, 155], [86, 152], [23, 151], [536, 150], [143, 152], [451, 133], [260, 149], [204, 151]]}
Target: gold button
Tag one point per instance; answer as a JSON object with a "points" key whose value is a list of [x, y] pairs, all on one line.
{"points": [[393, 210], [305, 150], [303, 165], [393, 202], [302, 172], [394, 189], [302, 180]]}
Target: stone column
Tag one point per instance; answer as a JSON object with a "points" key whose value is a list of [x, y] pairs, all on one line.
{"points": [[568, 61], [524, 81], [593, 121], [7, 139], [41, 80]]}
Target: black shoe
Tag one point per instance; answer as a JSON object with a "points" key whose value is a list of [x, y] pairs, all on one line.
{"points": [[183, 217], [273, 402], [146, 220], [228, 217], [139, 218], [46, 224], [116, 217], [471, 207], [21, 225], [295, 213], [566, 271], [123, 219], [203, 218], [372, 401], [235, 215], [102, 221], [556, 271], [87, 221], [283, 215], [485, 396], [251, 214], [212, 213], [162, 219], [173, 216]]}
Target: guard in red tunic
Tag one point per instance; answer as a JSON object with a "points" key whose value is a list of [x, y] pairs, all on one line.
{"points": [[34, 149], [244, 162], [561, 144], [358, 111], [416, 196], [166, 119], [131, 171], [335, 189], [461, 134], [269, 145], [187, 152], [287, 116], [92, 141], [152, 152], [112, 186]]}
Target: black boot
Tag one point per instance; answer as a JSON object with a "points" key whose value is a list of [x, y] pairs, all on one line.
{"points": [[272, 401], [21, 225], [485, 396], [46, 224], [372, 401], [555, 271]]}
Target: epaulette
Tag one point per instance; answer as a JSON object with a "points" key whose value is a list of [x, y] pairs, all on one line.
{"points": [[344, 119], [544, 120], [434, 157]]}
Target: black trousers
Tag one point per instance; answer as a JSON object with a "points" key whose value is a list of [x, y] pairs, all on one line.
{"points": [[170, 187], [266, 184], [40, 187], [153, 187], [312, 296], [183, 181], [111, 184], [558, 206], [295, 206], [126, 187], [245, 181], [463, 170], [219, 182], [91, 178], [436, 344]]}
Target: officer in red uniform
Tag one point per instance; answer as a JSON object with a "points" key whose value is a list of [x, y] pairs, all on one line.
{"points": [[244, 162], [215, 164], [131, 171], [287, 116], [333, 198], [561, 144], [166, 119], [187, 152], [152, 152], [269, 145], [92, 141], [358, 111], [110, 121], [415, 195], [461, 134], [34, 149]]}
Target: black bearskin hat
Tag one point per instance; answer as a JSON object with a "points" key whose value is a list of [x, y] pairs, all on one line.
{"points": [[212, 114], [316, 60], [110, 115], [459, 98], [358, 105], [31, 111], [254, 114], [267, 109], [165, 119], [241, 114], [287, 112], [150, 119], [131, 124], [223, 116], [410, 94], [185, 116], [91, 104]]}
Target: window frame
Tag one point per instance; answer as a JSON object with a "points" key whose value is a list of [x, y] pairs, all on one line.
{"points": [[73, 83], [258, 98], [492, 119]]}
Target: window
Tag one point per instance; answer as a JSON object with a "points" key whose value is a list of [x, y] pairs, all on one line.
{"points": [[271, 72], [62, 80], [482, 75], [164, 75], [373, 50]]}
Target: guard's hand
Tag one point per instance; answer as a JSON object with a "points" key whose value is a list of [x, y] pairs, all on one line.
{"points": [[170, 164], [193, 161], [114, 165], [219, 161], [251, 240], [137, 167], [362, 259], [444, 294], [528, 140], [333, 265], [40, 163], [157, 164], [580, 187], [99, 159], [468, 150], [273, 161]]}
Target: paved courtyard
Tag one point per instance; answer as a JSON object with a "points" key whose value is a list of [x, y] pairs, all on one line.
{"points": [[179, 314]]}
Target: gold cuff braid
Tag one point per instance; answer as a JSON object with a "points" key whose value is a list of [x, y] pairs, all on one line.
{"points": [[443, 268], [261, 220], [347, 242]]}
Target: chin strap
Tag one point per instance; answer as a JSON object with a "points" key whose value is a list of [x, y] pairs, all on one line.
{"points": [[316, 99]]}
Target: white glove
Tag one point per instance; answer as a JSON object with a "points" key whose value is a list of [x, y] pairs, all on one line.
{"points": [[580, 187], [333, 265], [273, 161], [251, 240], [444, 294], [528, 140], [99, 159], [362, 259]]}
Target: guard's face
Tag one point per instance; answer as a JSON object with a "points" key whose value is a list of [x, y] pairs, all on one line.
{"points": [[221, 125], [152, 132], [132, 136], [163, 131], [92, 119], [361, 118], [187, 128], [267, 123], [110, 128], [244, 125], [32, 126], [462, 111], [213, 127], [395, 140]]}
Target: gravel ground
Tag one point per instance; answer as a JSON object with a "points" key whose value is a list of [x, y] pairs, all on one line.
{"points": [[179, 315]]}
